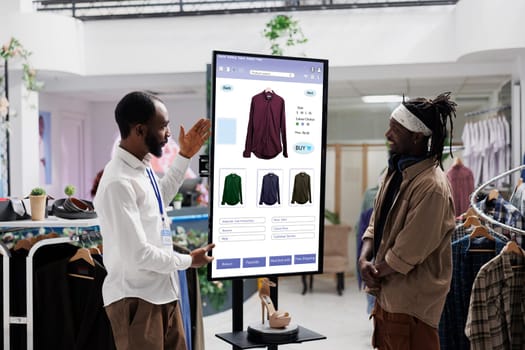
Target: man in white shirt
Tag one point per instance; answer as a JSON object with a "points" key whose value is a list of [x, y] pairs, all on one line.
{"points": [[141, 289]]}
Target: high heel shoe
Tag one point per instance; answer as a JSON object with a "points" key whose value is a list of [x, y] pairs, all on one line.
{"points": [[277, 319]]}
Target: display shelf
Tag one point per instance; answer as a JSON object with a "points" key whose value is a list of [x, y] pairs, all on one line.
{"points": [[51, 221], [187, 214]]}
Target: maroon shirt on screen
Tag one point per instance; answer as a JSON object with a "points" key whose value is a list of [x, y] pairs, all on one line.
{"points": [[266, 127]]}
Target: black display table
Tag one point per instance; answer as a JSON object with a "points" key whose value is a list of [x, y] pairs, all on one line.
{"points": [[241, 341]]}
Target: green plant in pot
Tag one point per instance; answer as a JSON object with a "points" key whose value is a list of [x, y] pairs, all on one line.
{"points": [[332, 217], [283, 30], [177, 201], [37, 201], [69, 190], [73, 204]]}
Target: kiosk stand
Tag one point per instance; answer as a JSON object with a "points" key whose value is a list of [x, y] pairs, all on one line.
{"points": [[240, 339]]}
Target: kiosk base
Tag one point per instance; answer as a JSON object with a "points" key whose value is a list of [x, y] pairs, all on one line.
{"points": [[263, 333]]}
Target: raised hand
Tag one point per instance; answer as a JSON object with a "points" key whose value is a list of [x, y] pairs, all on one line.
{"points": [[191, 142]]}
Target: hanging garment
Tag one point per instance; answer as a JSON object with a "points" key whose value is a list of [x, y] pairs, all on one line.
{"points": [[468, 151], [500, 150], [191, 304], [502, 211], [506, 130], [78, 309], [270, 190], [518, 198], [266, 135], [487, 148], [232, 192], [496, 317], [301, 189], [466, 263], [461, 181]]}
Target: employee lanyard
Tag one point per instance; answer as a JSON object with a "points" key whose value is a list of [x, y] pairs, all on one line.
{"points": [[156, 190]]}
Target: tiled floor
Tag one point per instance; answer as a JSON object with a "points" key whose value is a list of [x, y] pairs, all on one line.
{"points": [[342, 319]]}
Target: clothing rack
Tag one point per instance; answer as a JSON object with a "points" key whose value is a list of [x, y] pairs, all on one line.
{"points": [[29, 321], [484, 216], [6, 255], [50, 222], [487, 110]]}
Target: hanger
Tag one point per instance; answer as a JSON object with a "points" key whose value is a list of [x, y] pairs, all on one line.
{"points": [[512, 247], [493, 194], [82, 254], [23, 244], [458, 161], [481, 231], [470, 212], [471, 221], [268, 89], [94, 250]]}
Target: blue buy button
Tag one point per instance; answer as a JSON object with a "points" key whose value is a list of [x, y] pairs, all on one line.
{"points": [[280, 260], [304, 259], [254, 262], [228, 263]]}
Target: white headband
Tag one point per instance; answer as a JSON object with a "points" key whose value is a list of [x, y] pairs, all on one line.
{"points": [[404, 117]]}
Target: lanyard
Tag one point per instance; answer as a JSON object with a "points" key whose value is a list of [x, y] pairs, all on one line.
{"points": [[156, 190]]}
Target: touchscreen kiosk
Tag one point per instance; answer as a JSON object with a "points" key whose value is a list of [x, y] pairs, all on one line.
{"points": [[267, 163]]}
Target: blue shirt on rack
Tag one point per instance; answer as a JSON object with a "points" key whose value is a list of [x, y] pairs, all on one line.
{"points": [[466, 263]]}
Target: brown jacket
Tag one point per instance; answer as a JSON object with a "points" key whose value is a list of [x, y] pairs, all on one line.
{"points": [[416, 243]]}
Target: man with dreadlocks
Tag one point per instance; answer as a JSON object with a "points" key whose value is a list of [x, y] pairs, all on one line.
{"points": [[406, 256]]}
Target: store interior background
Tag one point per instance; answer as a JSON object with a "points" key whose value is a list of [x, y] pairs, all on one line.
{"points": [[475, 49]]}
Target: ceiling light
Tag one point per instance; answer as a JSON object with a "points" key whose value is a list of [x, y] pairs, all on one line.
{"points": [[382, 98]]}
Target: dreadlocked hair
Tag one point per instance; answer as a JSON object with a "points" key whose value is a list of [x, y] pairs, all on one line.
{"points": [[435, 114]]}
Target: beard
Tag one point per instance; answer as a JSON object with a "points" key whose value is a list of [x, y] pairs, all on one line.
{"points": [[154, 147]]}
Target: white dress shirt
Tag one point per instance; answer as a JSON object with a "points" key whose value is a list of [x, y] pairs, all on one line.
{"points": [[130, 223]]}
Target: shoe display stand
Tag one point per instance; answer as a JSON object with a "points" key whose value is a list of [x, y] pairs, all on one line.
{"points": [[51, 222], [241, 339]]}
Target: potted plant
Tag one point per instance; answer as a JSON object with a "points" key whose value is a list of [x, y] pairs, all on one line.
{"points": [[69, 190], [285, 30], [73, 204], [37, 201], [177, 201]]}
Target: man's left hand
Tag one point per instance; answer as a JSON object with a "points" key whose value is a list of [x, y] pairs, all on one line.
{"points": [[200, 257], [190, 143]]}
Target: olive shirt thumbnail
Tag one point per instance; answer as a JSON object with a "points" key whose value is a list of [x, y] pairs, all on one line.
{"points": [[302, 192]]}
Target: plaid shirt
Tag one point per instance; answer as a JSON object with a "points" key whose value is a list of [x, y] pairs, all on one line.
{"points": [[465, 266], [501, 210], [496, 316], [461, 231]]}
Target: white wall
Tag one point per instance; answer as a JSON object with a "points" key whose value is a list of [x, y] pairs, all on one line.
{"points": [[183, 44], [471, 31], [105, 129], [61, 107]]}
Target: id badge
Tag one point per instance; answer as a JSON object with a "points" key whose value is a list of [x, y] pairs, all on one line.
{"points": [[167, 240]]}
